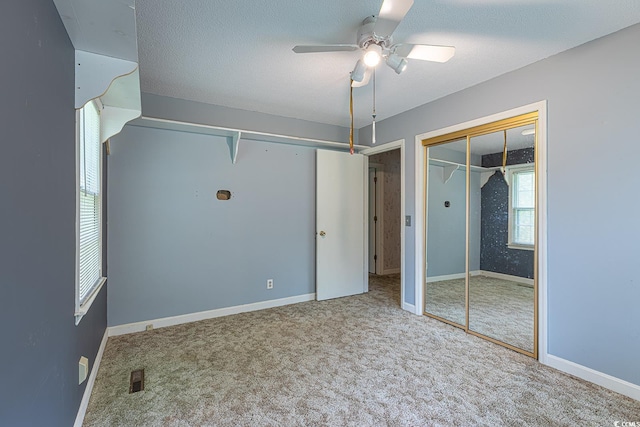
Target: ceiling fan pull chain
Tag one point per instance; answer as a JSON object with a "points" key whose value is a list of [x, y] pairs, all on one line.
{"points": [[504, 154], [351, 114], [373, 115]]}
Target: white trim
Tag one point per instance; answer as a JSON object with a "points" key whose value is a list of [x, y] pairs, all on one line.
{"points": [[446, 277], [541, 190], [511, 172], [383, 148], [403, 227], [84, 307], [520, 247], [508, 277], [409, 307], [391, 271], [400, 143], [92, 379], [541, 108], [178, 125], [365, 225], [420, 218], [453, 276], [209, 314], [596, 377]]}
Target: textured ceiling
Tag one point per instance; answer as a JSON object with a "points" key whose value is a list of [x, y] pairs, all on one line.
{"points": [[238, 53]]}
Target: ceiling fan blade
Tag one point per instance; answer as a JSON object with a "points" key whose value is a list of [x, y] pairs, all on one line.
{"points": [[325, 48], [365, 79], [391, 14], [425, 52]]}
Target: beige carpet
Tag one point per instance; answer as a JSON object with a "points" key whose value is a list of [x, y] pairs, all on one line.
{"points": [[355, 361], [498, 308]]}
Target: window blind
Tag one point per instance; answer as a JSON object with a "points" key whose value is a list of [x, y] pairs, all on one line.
{"points": [[90, 251], [523, 206]]}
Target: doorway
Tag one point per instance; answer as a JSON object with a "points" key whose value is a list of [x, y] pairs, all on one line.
{"points": [[386, 210], [386, 240]]}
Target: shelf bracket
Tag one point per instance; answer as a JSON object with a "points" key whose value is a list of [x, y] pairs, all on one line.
{"points": [[447, 172], [485, 176], [233, 146]]}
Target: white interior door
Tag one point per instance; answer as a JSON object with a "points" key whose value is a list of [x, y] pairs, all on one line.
{"points": [[340, 224]]}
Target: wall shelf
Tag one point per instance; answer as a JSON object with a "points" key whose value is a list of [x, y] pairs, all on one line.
{"points": [[104, 36], [235, 135], [449, 167]]}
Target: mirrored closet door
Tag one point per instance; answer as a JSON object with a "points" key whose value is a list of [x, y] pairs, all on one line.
{"points": [[445, 290], [481, 201]]}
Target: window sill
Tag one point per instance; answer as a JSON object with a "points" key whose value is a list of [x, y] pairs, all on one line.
{"points": [[521, 247], [84, 308]]}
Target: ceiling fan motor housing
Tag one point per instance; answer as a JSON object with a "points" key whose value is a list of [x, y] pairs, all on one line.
{"points": [[367, 37]]}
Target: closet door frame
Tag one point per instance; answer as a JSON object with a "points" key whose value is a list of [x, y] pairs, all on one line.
{"points": [[528, 115]]}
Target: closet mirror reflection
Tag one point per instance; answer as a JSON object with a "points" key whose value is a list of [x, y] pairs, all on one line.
{"points": [[501, 290], [480, 226], [445, 293]]}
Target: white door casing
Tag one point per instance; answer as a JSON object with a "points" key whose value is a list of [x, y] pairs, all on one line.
{"points": [[340, 224]]}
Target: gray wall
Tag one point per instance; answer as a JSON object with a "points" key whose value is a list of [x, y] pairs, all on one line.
{"points": [[592, 93], [175, 249], [41, 345]]}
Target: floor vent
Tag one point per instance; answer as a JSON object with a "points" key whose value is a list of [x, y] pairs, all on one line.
{"points": [[136, 383]]}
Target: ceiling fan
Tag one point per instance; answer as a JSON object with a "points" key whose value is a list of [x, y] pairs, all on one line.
{"points": [[375, 39]]}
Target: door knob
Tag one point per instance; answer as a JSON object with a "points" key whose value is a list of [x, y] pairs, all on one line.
{"points": [[322, 234]]}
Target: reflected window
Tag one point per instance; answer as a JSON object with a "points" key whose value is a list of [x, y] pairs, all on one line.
{"points": [[521, 206]]}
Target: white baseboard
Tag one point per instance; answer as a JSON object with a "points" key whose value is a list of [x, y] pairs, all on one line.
{"points": [[446, 277], [409, 307], [203, 315], [596, 377], [92, 379], [509, 277], [451, 276], [390, 271]]}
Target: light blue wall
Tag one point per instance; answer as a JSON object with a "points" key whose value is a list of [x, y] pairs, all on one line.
{"points": [[175, 249], [446, 227], [593, 150]]}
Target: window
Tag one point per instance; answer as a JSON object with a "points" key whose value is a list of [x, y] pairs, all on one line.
{"points": [[522, 186], [89, 208]]}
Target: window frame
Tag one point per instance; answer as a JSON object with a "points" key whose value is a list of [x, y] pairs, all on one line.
{"points": [[82, 305], [511, 172]]}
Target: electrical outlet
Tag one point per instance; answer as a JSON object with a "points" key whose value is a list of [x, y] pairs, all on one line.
{"points": [[149, 327], [269, 283]]}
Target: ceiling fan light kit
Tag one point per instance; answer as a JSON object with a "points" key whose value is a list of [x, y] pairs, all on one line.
{"points": [[397, 63], [374, 37], [357, 75], [372, 55]]}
